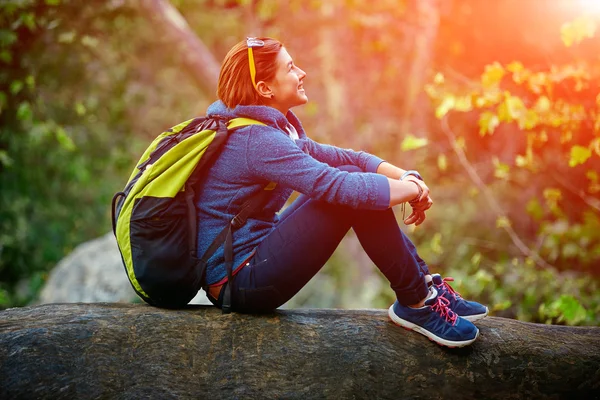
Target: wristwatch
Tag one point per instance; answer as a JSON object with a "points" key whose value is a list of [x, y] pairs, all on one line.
{"points": [[413, 173]]}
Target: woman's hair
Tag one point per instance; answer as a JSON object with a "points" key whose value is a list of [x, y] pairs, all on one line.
{"points": [[235, 85]]}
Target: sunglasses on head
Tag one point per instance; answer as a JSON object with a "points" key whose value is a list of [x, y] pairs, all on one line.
{"points": [[253, 42]]}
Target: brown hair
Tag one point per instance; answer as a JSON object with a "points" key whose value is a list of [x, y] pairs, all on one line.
{"points": [[235, 85]]}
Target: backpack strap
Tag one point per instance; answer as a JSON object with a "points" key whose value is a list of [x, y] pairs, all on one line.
{"points": [[241, 122], [225, 237]]}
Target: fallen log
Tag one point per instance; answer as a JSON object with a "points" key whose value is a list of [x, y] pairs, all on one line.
{"points": [[125, 351]]}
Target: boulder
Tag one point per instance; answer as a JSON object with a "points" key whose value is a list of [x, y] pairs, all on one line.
{"points": [[93, 272]]}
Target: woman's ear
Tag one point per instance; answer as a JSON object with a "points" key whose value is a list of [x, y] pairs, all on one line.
{"points": [[264, 90]]}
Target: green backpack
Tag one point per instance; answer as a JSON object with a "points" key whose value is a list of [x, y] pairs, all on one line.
{"points": [[155, 219]]}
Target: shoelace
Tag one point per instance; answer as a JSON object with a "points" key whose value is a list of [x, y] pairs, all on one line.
{"points": [[441, 306], [449, 288]]}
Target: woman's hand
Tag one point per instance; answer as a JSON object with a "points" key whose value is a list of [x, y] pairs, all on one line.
{"points": [[419, 204]]}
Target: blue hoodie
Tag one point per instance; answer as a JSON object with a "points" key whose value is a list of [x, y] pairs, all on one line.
{"points": [[256, 155]]}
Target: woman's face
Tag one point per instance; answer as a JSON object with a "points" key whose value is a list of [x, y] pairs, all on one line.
{"points": [[287, 86]]}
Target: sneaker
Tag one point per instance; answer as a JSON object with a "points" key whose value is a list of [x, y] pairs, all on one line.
{"points": [[436, 321], [470, 310]]}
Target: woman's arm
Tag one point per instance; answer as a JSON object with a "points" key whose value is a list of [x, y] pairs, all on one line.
{"points": [[389, 170]]}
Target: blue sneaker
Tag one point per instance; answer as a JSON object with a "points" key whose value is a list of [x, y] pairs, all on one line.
{"points": [[436, 321], [470, 310]]}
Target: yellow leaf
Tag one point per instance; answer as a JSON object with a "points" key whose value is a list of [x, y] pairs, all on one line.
{"points": [[515, 66], [575, 31], [502, 222], [552, 196], [529, 120], [446, 105], [442, 162], [521, 161], [595, 145], [542, 105], [492, 75], [488, 122], [411, 142], [501, 171], [579, 155], [463, 103], [515, 107]]}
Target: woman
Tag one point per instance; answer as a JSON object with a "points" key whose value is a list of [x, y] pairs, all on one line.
{"points": [[276, 255]]}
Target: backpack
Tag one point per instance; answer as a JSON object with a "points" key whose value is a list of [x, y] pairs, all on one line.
{"points": [[155, 220]]}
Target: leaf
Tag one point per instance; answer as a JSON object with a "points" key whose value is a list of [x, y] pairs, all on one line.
{"points": [[552, 196], [502, 222], [442, 162], [579, 155], [575, 31], [569, 309], [492, 75], [542, 105], [463, 104], [411, 142], [24, 112], [501, 171], [65, 141], [534, 208], [89, 41], [446, 105], [522, 161], [514, 107], [5, 159], [488, 122]]}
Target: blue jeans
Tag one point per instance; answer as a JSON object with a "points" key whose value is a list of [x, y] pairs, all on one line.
{"points": [[306, 236]]}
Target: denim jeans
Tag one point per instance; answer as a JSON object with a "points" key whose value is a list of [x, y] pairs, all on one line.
{"points": [[304, 239]]}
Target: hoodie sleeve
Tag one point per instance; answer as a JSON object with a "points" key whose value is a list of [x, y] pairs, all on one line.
{"points": [[272, 156], [335, 156]]}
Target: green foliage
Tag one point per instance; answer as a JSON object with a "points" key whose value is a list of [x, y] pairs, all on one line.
{"points": [[549, 111], [69, 113]]}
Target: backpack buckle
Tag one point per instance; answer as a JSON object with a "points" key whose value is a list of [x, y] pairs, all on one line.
{"points": [[237, 222]]}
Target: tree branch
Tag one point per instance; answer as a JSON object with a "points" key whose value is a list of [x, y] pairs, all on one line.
{"points": [[495, 206], [197, 59]]}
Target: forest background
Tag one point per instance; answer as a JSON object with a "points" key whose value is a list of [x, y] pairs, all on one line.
{"points": [[495, 102]]}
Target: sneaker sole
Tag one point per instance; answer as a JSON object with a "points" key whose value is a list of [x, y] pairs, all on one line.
{"points": [[410, 326], [475, 317]]}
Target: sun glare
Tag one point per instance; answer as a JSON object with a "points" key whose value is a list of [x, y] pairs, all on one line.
{"points": [[590, 6]]}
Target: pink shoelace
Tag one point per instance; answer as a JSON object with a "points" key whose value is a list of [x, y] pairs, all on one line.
{"points": [[441, 306], [449, 288]]}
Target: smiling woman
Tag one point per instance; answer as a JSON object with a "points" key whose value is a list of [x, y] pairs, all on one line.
{"points": [[260, 256]]}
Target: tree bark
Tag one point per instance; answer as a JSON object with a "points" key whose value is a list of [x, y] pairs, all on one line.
{"points": [[414, 115], [122, 351], [196, 58]]}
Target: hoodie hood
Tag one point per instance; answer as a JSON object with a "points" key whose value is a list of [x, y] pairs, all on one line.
{"points": [[268, 115]]}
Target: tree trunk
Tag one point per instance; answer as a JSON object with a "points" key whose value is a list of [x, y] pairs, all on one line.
{"points": [[196, 58], [84, 351], [413, 114]]}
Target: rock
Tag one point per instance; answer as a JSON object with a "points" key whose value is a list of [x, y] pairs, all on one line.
{"points": [[131, 351], [93, 272]]}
